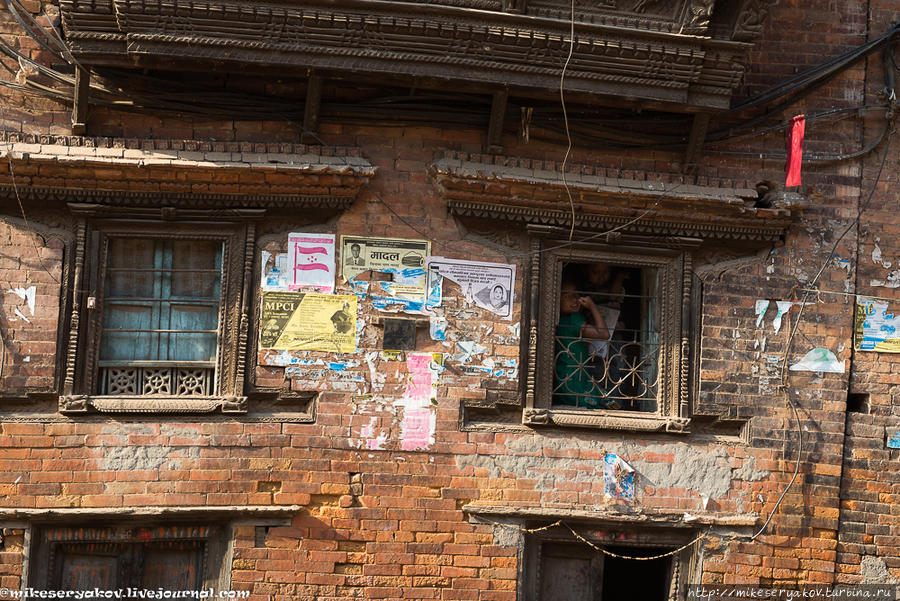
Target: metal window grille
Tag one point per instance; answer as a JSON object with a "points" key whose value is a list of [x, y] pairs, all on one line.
{"points": [[619, 372]]}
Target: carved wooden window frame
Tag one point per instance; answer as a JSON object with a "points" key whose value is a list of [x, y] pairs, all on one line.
{"points": [[80, 385], [672, 259], [127, 542], [684, 563]]}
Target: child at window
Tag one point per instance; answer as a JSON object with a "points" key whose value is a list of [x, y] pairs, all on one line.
{"points": [[574, 384]]}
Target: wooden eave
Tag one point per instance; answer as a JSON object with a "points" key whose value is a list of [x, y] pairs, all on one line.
{"points": [[191, 176], [668, 58], [533, 193]]}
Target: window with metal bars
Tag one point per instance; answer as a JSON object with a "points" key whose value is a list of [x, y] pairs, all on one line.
{"points": [[160, 316], [611, 331], [607, 339]]}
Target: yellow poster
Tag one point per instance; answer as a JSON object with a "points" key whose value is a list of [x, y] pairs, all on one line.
{"points": [[297, 321]]}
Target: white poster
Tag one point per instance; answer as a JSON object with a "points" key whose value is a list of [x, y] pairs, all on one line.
{"points": [[311, 259], [488, 285]]}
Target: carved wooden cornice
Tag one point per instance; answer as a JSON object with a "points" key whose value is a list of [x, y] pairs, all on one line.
{"points": [[188, 175], [537, 196], [109, 203], [661, 51]]}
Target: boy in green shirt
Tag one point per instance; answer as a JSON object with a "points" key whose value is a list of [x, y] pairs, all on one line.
{"points": [[573, 383]]}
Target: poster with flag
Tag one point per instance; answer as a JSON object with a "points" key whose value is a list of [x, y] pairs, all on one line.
{"points": [[311, 258]]}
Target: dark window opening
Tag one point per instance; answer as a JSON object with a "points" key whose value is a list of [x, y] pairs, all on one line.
{"points": [[607, 346], [575, 572], [172, 558], [857, 402]]}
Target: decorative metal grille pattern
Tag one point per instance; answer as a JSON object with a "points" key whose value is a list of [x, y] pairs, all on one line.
{"points": [[149, 381], [612, 374]]}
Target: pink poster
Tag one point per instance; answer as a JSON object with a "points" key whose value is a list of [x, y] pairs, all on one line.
{"points": [[418, 429]]}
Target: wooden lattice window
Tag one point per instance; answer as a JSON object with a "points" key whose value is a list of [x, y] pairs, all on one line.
{"points": [[161, 308], [160, 318]]}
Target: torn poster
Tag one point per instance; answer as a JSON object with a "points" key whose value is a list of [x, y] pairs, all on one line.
{"points": [[874, 328], [275, 272], [618, 478], [488, 285], [312, 262], [403, 259], [783, 307], [437, 327], [417, 429], [819, 359], [419, 420], [27, 295], [892, 439], [761, 307], [307, 321]]}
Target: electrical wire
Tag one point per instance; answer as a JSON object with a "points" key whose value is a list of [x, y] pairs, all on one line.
{"points": [[562, 102], [784, 371]]}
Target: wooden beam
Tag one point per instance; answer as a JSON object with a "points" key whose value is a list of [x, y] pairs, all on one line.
{"points": [[80, 100], [495, 127], [311, 109], [694, 151]]}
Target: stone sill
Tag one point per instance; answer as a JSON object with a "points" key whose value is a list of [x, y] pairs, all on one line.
{"points": [[685, 519], [200, 512]]}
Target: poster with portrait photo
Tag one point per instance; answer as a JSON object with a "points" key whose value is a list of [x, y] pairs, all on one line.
{"points": [[490, 286], [402, 258]]}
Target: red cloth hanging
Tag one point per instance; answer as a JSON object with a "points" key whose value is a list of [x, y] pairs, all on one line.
{"points": [[795, 151]]}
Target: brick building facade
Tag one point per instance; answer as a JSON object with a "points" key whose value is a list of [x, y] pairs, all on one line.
{"points": [[436, 452]]}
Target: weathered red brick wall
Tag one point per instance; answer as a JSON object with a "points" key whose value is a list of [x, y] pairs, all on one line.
{"points": [[399, 531]]}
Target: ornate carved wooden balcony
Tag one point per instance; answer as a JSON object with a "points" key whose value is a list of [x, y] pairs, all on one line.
{"points": [[684, 54]]}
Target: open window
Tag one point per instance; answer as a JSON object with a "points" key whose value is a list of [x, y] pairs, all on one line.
{"points": [[159, 318], [558, 568], [610, 345]]}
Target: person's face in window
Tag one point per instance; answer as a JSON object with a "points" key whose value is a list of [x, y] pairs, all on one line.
{"points": [[598, 273], [568, 302]]}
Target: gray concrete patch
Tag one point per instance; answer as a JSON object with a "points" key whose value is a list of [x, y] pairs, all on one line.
{"points": [[707, 470]]}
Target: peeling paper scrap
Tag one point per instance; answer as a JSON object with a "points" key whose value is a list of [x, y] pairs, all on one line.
{"points": [[437, 327], [877, 258], [275, 278], [397, 305], [892, 280], [618, 478], [27, 295], [761, 307], [467, 349], [893, 440], [819, 359], [783, 307], [490, 286]]}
